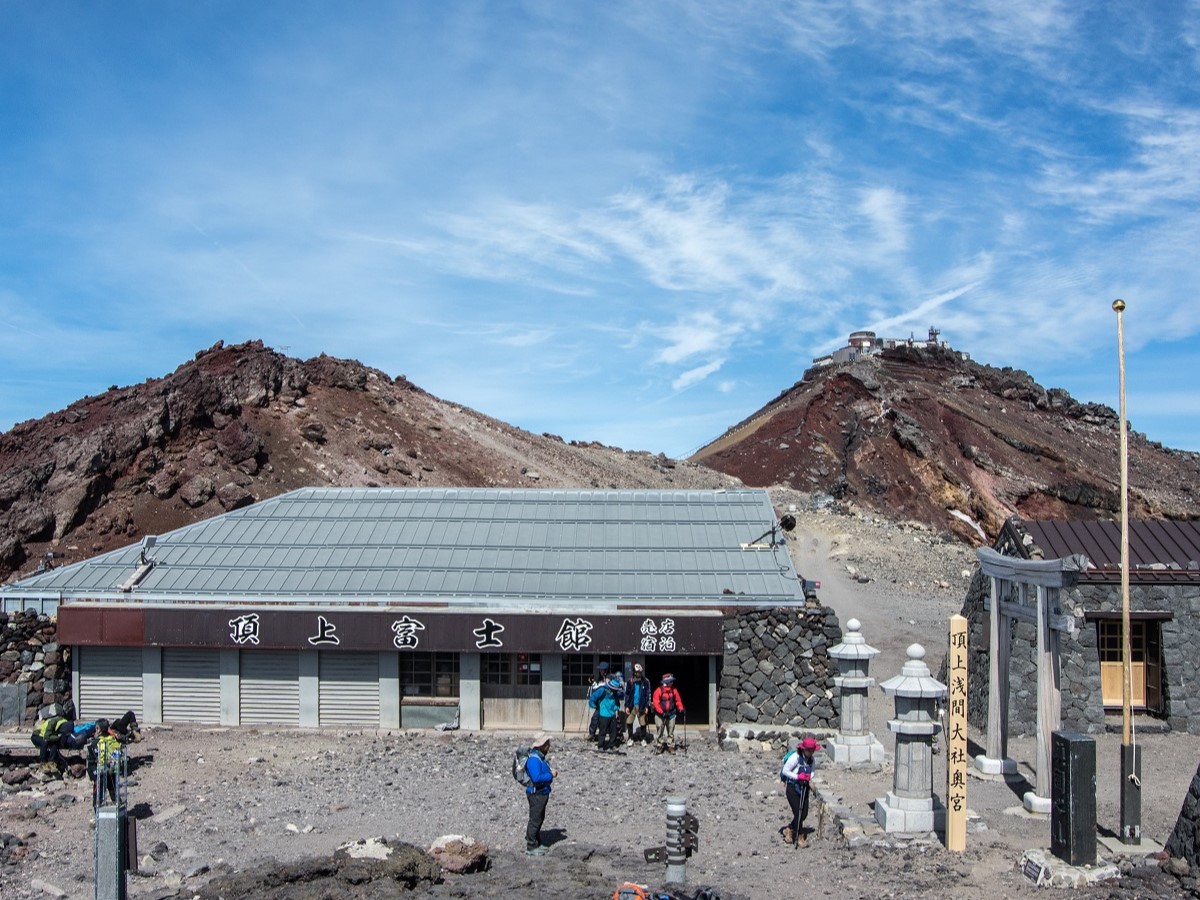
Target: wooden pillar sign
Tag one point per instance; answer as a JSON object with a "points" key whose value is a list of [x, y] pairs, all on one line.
{"points": [[956, 737]]}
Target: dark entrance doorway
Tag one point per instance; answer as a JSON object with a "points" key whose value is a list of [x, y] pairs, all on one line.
{"points": [[691, 680]]}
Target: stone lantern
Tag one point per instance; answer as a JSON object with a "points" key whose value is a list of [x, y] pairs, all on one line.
{"points": [[854, 742], [910, 806]]}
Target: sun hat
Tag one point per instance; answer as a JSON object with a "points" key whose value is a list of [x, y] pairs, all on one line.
{"points": [[668, 679], [541, 739], [603, 667], [809, 743], [637, 667]]}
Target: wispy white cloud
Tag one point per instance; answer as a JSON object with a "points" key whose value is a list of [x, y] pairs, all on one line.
{"points": [[696, 375], [590, 204]]}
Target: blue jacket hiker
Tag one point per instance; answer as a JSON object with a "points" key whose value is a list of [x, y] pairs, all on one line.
{"points": [[595, 692], [607, 707], [538, 793], [637, 705]]}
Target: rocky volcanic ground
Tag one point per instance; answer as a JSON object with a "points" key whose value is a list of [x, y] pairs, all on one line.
{"points": [[222, 812]]}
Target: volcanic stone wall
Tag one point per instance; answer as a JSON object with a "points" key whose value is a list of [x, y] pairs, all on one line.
{"points": [[1174, 609], [30, 657], [1184, 842], [777, 669]]}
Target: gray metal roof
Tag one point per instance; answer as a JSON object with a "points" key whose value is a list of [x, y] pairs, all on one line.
{"points": [[455, 545]]}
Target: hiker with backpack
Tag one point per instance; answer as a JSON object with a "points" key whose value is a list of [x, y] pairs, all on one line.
{"points": [[637, 705], [667, 705], [595, 692], [534, 773], [51, 735], [106, 763], [609, 706], [796, 772]]}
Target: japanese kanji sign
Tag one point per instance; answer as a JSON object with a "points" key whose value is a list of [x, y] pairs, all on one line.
{"points": [[956, 737]]}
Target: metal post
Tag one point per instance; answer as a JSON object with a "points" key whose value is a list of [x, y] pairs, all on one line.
{"points": [[1131, 798], [110, 853], [676, 852], [115, 840]]}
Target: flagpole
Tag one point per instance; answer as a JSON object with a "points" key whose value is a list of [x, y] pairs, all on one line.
{"points": [[1131, 807]]}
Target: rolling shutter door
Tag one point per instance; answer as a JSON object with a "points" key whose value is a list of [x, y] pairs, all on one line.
{"points": [[349, 689], [110, 682], [270, 687], [191, 685]]}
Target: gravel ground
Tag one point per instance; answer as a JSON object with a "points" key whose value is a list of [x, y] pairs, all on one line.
{"points": [[214, 801]]}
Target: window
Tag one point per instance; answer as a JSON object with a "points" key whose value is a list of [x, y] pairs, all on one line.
{"points": [[511, 668], [579, 670], [429, 674]]}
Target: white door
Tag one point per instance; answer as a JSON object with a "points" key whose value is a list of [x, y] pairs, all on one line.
{"points": [[191, 685], [270, 687], [110, 682], [349, 689]]}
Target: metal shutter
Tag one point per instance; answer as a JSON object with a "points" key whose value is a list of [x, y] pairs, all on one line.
{"points": [[349, 689], [110, 682], [270, 687], [191, 685]]}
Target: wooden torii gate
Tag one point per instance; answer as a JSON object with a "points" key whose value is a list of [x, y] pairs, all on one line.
{"points": [[1012, 582]]}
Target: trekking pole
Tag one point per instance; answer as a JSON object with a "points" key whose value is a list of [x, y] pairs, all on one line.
{"points": [[683, 731]]}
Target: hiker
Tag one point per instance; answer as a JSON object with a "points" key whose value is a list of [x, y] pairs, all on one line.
{"points": [[105, 761], [637, 705], [608, 707], [595, 692], [797, 773], [537, 793], [126, 726], [667, 705], [51, 735]]}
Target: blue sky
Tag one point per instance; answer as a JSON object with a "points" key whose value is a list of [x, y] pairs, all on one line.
{"points": [[625, 221]]}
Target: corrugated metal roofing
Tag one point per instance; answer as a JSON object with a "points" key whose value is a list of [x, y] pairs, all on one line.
{"points": [[1158, 550], [456, 544]]}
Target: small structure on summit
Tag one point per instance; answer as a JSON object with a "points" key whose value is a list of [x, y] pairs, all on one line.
{"points": [[866, 343]]}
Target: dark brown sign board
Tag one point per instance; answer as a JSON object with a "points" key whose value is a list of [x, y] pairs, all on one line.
{"points": [[335, 628]]}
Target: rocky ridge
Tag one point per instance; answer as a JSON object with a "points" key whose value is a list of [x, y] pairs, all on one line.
{"points": [[923, 434], [243, 423]]}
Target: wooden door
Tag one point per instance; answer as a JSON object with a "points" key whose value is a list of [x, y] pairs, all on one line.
{"points": [[1112, 670]]}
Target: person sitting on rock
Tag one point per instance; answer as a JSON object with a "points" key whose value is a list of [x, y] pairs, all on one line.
{"points": [[51, 735]]}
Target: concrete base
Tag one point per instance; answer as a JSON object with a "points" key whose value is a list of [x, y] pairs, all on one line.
{"points": [[1044, 869], [845, 750], [903, 814], [996, 769], [1035, 804], [1114, 846]]}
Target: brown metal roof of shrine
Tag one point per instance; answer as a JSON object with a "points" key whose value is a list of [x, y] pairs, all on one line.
{"points": [[1159, 551]]}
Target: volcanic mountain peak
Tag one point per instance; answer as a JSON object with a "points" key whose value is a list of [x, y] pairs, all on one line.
{"points": [[243, 423], [927, 434], [915, 434]]}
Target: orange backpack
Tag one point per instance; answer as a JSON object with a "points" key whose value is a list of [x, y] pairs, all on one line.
{"points": [[631, 891]]}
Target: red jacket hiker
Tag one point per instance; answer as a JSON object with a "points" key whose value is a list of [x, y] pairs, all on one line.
{"points": [[667, 701]]}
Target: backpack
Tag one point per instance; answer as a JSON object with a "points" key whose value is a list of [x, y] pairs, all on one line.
{"points": [[630, 891], [783, 777], [519, 772]]}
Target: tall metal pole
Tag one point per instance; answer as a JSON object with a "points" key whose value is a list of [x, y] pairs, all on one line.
{"points": [[1131, 805]]}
